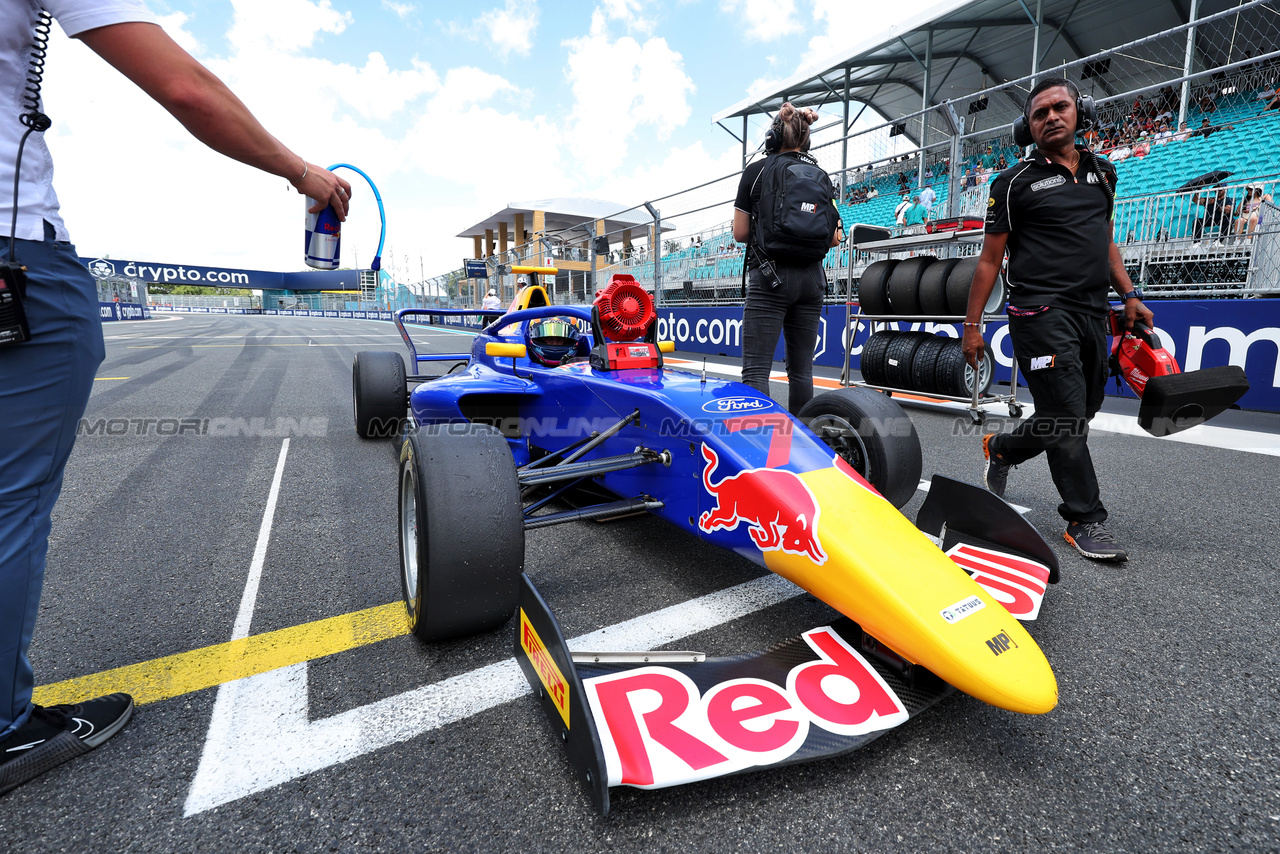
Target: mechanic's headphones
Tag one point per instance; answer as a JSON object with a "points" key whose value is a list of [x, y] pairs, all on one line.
{"points": [[773, 137], [1086, 119]]}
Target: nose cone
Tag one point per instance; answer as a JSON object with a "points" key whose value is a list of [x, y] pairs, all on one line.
{"points": [[892, 580]]}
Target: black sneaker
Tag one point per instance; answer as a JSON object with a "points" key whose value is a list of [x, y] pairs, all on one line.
{"points": [[54, 734], [1094, 541], [996, 472]]}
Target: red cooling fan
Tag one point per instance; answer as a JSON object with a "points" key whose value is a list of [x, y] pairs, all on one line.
{"points": [[622, 327], [626, 309]]}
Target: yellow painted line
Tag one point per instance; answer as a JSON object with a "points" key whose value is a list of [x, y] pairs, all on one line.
{"points": [[100, 379], [174, 675]]}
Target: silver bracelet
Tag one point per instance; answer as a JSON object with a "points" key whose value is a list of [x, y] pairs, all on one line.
{"points": [[306, 167]]}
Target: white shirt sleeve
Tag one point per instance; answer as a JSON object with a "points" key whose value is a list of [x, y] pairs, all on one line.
{"points": [[77, 16]]}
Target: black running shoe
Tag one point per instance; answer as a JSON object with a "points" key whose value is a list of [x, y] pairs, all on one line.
{"points": [[54, 734], [995, 474], [1094, 541]]}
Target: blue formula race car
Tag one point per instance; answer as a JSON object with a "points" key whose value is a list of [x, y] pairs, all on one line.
{"points": [[568, 413]]}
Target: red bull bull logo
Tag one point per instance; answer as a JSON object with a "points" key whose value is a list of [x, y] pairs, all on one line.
{"points": [[778, 507]]}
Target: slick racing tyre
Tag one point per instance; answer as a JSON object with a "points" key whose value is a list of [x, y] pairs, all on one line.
{"points": [[953, 376], [872, 364], [379, 395], [958, 282], [872, 434], [461, 530], [899, 356], [904, 284], [924, 363], [873, 287], [933, 287]]}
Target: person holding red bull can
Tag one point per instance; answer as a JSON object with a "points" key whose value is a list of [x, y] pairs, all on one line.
{"points": [[45, 381]]}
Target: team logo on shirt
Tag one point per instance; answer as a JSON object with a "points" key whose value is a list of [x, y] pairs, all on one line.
{"points": [[1092, 178], [1055, 181]]}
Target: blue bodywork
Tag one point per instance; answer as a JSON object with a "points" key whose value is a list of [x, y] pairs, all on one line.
{"points": [[546, 409]]}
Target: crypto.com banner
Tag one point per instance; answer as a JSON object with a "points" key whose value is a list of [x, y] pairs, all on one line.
{"points": [[1199, 333]]}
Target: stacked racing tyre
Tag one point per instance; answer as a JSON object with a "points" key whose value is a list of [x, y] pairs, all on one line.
{"points": [[899, 355], [873, 287], [924, 364], [952, 375], [959, 280], [873, 366], [933, 287], [904, 284]]}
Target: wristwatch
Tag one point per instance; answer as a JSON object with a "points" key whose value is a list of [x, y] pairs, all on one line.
{"points": [[1136, 293]]}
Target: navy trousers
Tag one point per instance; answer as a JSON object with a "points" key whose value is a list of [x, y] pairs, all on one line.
{"points": [[44, 388]]}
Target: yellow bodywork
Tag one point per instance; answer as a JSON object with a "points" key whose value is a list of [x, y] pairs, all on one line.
{"points": [[892, 580]]}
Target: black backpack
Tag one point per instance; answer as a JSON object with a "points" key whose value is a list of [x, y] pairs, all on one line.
{"points": [[795, 219]]}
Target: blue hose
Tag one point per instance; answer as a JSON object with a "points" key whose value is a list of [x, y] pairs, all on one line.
{"points": [[377, 258]]}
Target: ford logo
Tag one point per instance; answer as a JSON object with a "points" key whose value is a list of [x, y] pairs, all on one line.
{"points": [[737, 404]]}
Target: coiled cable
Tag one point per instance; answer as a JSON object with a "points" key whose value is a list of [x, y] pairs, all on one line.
{"points": [[31, 117]]}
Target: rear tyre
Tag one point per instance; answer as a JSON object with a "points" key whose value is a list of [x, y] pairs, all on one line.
{"points": [[873, 287], [933, 287], [872, 434], [924, 364], [899, 356], [461, 530], [904, 284], [379, 394], [872, 364]]}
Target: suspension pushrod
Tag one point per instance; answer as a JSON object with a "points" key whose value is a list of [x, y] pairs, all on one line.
{"points": [[597, 511]]}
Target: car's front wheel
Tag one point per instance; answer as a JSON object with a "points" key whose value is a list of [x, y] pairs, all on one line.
{"points": [[461, 530], [872, 434]]}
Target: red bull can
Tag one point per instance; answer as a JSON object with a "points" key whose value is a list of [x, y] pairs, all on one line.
{"points": [[324, 237]]}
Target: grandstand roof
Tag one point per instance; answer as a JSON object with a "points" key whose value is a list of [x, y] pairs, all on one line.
{"points": [[975, 44], [564, 214]]}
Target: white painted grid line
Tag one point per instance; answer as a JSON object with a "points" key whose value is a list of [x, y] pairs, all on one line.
{"points": [[250, 596]]}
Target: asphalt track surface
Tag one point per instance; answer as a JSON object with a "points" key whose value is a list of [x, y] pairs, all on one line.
{"points": [[1165, 739]]}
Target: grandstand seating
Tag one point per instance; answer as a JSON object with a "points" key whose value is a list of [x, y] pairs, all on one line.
{"points": [[1247, 146]]}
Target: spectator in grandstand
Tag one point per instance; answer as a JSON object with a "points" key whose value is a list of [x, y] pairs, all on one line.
{"points": [[900, 211], [1274, 102], [1251, 210], [927, 197], [970, 180], [915, 216], [1266, 94], [46, 380], [791, 303], [988, 159], [1208, 102], [1163, 134], [1182, 133], [1056, 227], [1205, 130], [1168, 101], [1217, 212]]}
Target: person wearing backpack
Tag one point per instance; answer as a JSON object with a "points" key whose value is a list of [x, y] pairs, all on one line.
{"points": [[785, 213]]}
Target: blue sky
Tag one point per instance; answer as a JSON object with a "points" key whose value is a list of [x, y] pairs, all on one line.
{"points": [[454, 109]]}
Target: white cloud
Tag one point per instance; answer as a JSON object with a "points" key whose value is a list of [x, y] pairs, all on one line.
{"points": [[287, 26], [628, 12], [402, 10], [620, 86], [511, 28], [766, 20], [174, 24]]}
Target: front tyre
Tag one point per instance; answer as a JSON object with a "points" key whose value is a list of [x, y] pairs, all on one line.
{"points": [[461, 530], [379, 394], [872, 434]]}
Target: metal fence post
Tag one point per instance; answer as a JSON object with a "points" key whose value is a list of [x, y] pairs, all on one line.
{"points": [[657, 251]]}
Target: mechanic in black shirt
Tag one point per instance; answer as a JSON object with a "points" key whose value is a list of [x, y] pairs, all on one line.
{"points": [[1052, 212]]}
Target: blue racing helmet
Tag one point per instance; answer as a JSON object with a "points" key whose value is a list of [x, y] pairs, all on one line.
{"points": [[552, 340]]}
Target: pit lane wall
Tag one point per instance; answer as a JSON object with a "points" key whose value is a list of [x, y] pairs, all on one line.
{"points": [[1200, 334]]}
